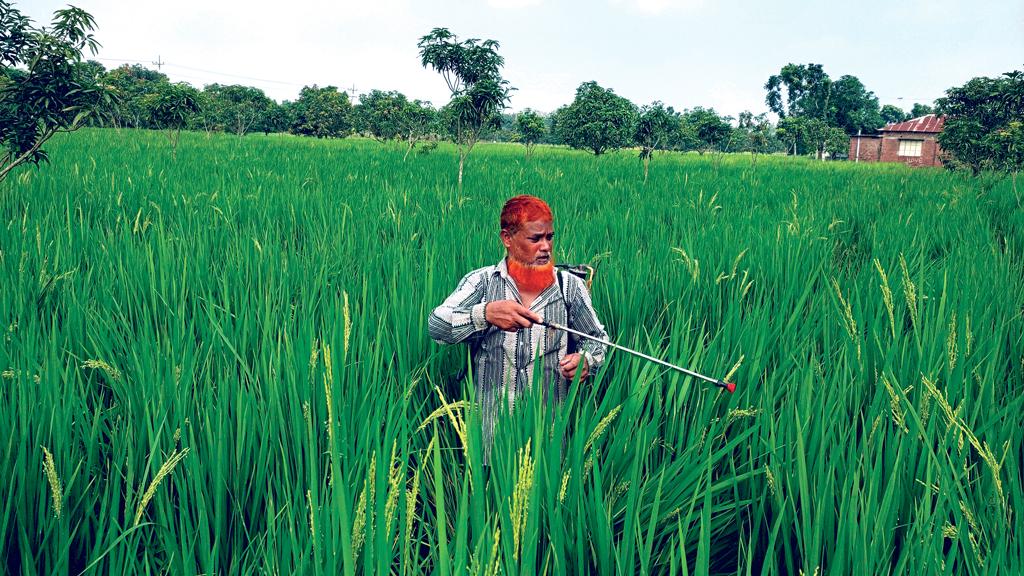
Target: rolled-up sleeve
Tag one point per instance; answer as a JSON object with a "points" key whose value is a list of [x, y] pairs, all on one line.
{"points": [[583, 317], [461, 315]]}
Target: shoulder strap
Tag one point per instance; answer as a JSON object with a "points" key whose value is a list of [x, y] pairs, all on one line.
{"points": [[565, 296]]}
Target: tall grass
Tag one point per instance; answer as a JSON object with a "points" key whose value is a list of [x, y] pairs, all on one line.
{"points": [[217, 362]]}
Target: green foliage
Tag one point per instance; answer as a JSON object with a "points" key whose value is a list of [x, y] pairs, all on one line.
{"points": [[321, 112], [921, 110], [852, 107], [132, 84], [476, 109], [221, 108], [685, 138], [706, 130], [389, 116], [755, 134], [382, 114], [799, 90], [806, 92], [529, 128], [790, 132], [817, 134], [472, 70], [421, 121], [262, 304], [45, 88], [598, 120], [893, 114], [806, 136], [237, 109], [655, 127], [836, 142], [982, 129], [553, 120], [92, 70], [276, 119], [172, 107]]}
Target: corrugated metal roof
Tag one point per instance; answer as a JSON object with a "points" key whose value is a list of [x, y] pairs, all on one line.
{"points": [[930, 123]]}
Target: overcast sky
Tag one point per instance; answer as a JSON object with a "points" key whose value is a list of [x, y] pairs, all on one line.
{"points": [[685, 53]]}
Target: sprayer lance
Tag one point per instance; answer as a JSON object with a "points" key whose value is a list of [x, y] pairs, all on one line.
{"points": [[731, 387]]}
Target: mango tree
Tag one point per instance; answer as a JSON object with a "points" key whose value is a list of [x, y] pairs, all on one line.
{"points": [[472, 71], [529, 129], [44, 89], [654, 128]]}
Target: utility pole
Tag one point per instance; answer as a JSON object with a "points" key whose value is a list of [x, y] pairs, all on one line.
{"points": [[158, 62], [352, 92]]}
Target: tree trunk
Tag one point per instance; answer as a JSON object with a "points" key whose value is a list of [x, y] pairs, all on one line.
{"points": [[21, 159], [462, 161], [647, 163], [412, 143]]}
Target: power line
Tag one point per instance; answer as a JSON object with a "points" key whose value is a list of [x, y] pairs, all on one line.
{"points": [[216, 73], [234, 75]]}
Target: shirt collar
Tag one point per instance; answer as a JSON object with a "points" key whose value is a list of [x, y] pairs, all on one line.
{"points": [[502, 270]]}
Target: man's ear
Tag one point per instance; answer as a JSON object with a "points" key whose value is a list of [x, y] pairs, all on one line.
{"points": [[506, 238]]}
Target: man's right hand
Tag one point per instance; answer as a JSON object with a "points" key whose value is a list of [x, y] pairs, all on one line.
{"points": [[510, 315]]}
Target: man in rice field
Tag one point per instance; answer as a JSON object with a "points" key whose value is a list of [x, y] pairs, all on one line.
{"points": [[495, 310]]}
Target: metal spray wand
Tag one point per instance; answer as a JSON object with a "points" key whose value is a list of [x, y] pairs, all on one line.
{"points": [[731, 387]]}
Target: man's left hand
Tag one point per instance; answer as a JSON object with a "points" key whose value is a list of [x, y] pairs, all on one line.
{"points": [[569, 364]]}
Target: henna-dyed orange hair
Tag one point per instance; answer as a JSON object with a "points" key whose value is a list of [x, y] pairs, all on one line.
{"points": [[522, 209]]}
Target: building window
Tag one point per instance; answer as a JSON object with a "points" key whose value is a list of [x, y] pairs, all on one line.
{"points": [[910, 148]]}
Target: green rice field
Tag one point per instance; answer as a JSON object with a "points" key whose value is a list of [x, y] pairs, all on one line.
{"points": [[215, 361]]}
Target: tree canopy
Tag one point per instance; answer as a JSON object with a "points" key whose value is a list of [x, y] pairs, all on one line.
{"points": [[237, 109], [983, 129], [382, 114], [853, 107], [321, 112], [655, 127], [529, 128], [598, 120], [707, 130], [44, 88], [172, 106], [799, 90], [921, 110], [472, 71], [809, 103], [893, 114]]}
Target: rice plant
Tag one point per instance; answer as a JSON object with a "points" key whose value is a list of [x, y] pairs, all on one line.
{"points": [[216, 361]]}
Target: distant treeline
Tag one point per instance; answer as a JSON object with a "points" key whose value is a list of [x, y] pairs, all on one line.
{"points": [[146, 98], [46, 87]]}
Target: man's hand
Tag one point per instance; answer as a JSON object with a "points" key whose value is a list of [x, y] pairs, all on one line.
{"points": [[569, 364], [510, 315]]}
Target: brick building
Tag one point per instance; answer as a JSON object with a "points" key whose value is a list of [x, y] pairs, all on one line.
{"points": [[912, 142]]}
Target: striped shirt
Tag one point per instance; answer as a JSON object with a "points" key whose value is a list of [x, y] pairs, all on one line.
{"points": [[503, 362]]}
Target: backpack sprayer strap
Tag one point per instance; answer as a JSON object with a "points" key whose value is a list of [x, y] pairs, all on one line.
{"points": [[581, 271]]}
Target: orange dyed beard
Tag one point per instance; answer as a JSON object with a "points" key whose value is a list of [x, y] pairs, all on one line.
{"points": [[529, 278]]}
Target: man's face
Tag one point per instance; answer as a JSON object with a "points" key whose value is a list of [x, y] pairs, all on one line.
{"points": [[531, 244]]}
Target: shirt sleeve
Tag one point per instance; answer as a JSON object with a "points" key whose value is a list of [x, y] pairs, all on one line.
{"points": [[583, 317], [461, 315]]}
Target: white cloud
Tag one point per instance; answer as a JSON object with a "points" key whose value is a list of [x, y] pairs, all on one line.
{"points": [[514, 4], [549, 49], [656, 7]]}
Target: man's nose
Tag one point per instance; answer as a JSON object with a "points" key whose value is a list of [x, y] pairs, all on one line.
{"points": [[545, 245]]}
